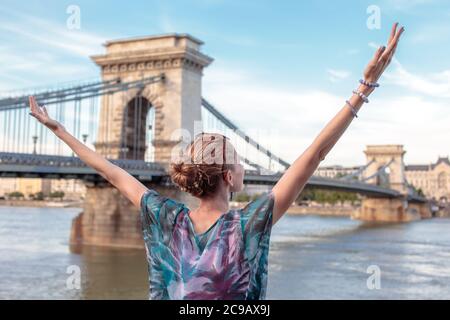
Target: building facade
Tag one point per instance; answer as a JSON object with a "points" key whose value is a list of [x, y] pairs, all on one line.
{"points": [[73, 189], [433, 178], [8, 185], [27, 186]]}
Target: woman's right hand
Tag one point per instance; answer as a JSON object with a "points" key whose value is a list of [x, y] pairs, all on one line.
{"points": [[40, 113]]}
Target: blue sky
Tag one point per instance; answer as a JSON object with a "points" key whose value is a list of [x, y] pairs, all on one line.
{"points": [[283, 65]]}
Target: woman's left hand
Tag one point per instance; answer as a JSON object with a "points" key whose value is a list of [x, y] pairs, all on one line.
{"points": [[383, 56]]}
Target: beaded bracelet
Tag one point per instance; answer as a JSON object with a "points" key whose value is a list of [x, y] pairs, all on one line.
{"points": [[352, 108], [362, 95], [369, 84]]}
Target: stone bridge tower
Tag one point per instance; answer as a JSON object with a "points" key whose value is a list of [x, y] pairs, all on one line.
{"points": [[384, 154], [176, 100]]}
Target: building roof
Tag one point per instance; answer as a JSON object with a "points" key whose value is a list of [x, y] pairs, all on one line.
{"points": [[444, 160], [417, 167], [426, 167], [411, 167], [158, 36]]}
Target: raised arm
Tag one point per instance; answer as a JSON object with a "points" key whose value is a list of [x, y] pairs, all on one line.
{"points": [[288, 188], [129, 186]]}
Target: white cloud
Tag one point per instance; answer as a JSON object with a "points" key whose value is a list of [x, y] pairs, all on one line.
{"points": [[430, 33], [41, 51], [337, 75], [58, 36], [435, 85], [166, 24], [418, 123], [73, 42], [293, 118], [353, 52], [373, 45], [407, 5], [22, 70]]}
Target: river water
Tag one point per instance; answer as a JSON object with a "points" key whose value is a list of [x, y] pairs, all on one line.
{"points": [[311, 257]]}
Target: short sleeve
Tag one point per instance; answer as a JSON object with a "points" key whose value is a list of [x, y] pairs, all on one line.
{"points": [[158, 210], [256, 224]]}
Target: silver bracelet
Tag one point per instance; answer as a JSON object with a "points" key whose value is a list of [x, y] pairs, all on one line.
{"points": [[352, 108], [369, 84], [362, 95]]}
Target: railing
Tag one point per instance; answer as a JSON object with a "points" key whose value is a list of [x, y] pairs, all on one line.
{"points": [[75, 162]]}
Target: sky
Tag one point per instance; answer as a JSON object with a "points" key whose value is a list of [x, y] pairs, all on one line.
{"points": [[281, 68]]}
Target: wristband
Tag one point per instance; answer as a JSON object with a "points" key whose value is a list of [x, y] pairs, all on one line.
{"points": [[352, 108], [369, 84], [362, 95]]}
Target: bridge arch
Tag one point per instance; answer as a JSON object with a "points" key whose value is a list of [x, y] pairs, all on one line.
{"points": [[139, 126], [383, 178], [137, 123], [125, 121]]}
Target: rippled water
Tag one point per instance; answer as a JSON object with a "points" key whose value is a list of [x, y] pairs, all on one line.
{"points": [[311, 257]]}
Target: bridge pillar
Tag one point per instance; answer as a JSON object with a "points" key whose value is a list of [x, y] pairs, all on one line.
{"points": [[176, 100], [383, 154], [386, 210], [423, 209]]}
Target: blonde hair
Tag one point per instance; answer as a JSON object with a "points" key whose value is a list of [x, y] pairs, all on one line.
{"points": [[202, 164]]}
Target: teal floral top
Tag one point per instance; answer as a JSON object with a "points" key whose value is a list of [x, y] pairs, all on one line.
{"points": [[228, 261]]}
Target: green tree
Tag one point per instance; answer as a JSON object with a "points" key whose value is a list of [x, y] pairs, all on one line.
{"points": [[339, 175], [306, 195], [331, 196], [242, 197], [255, 196], [16, 194], [420, 192], [38, 196], [57, 194]]}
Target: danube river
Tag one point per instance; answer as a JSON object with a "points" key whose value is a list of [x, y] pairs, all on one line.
{"points": [[311, 257]]}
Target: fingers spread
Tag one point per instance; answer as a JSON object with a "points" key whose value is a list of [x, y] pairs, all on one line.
{"points": [[398, 34], [378, 54], [35, 109], [32, 103], [392, 45], [393, 31]]}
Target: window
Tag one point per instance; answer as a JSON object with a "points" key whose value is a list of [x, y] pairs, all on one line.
{"points": [[442, 180]]}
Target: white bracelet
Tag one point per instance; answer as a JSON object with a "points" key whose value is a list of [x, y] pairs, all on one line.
{"points": [[362, 95]]}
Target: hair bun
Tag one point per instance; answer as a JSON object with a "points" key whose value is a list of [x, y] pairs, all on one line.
{"points": [[202, 177]]}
